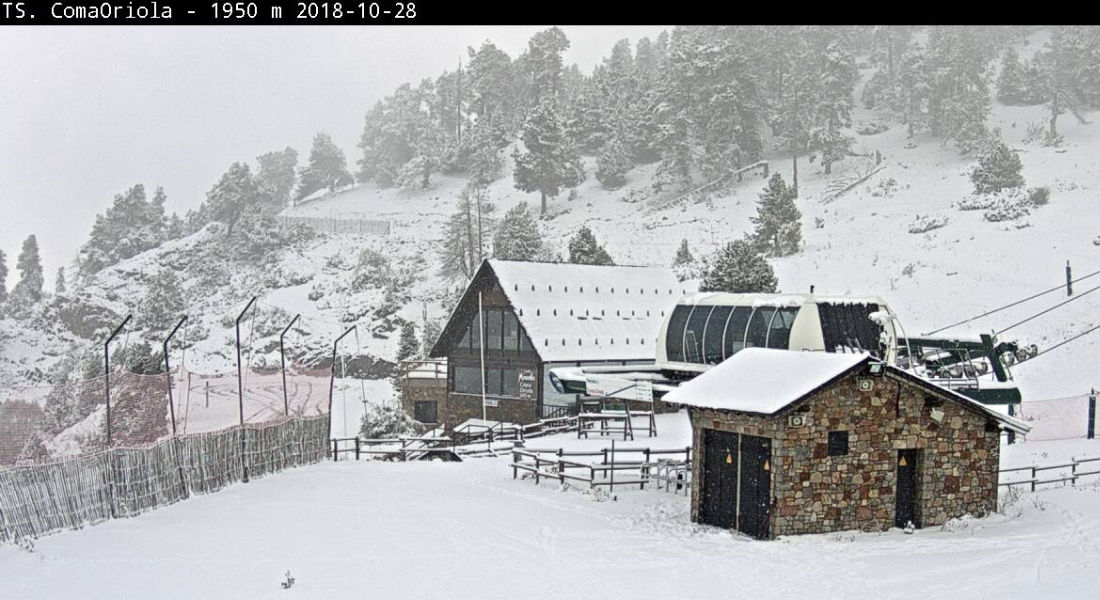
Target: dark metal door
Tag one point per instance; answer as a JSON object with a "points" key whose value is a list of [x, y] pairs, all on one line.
{"points": [[754, 508], [719, 484], [905, 508]]}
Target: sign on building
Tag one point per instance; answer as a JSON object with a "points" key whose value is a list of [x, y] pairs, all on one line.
{"points": [[527, 384]]}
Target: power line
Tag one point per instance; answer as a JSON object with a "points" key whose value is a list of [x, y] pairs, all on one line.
{"points": [[1039, 314], [986, 314], [1061, 343]]}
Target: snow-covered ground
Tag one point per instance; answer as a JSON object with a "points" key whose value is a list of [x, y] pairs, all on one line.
{"points": [[467, 530]]}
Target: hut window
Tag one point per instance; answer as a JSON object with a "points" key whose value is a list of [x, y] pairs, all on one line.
{"points": [[838, 443]]}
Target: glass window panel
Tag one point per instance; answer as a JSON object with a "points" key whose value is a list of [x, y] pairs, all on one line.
{"points": [[467, 380], [735, 330], [712, 338], [674, 335], [779, 334], [493, 329], [510, 385], [757, 333], [693, 334], [475, 333], [511, 331]]}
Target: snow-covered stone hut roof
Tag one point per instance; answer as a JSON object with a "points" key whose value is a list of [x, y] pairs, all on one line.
{"points": [[765, 381], [587, 312]]}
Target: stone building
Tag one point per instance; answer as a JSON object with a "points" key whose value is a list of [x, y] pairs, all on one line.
{"points": [[811, 442], [537, 316]]}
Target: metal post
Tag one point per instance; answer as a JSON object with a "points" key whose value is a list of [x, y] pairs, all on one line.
{"points": [[1011, 433], [481, 334], [107, 373], [1069, 280], [168, 371], [332, 377], [240, 388], [1092, 415], [282, 361]]}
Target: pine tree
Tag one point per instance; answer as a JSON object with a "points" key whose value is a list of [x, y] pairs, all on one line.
{"points": [[518, 236], [164, 301], [59, 282], [998, 168], [407, 345], [612, 163], [778, 220], [275, 178], [684, 263], [959, 101], [28, 290], [542, 63], [585, 250], [833, 103], [430, 334], [234, 195], [683, 255], [327, 167], [465, 235], [1011, 84], [129, 227], [550, 161], [3, 280], [1069, 74], [739, 268]]}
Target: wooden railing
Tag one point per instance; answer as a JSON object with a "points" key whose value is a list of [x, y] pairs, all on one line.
{"points": [[561, 465], [401, 448], [1035, 481]]}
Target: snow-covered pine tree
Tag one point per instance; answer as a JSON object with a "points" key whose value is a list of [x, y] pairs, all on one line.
{"points": [[465, 235], [585, 250], [275, 178], [327, 167], [888, 45], [739, 268], [407, 345], [832, 105], [1069, 74], [130, 226], [485, 161], [550, 161], [430, 333], [612, 163], [518, 236], [1012, 84], [998, 168], [684, 263], [3, 281], [28, 290], [959, 103], [234, 195], [164, 301], [778, 221], [543, 67], [59, 282]]}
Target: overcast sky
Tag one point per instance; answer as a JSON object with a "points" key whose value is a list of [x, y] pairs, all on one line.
{"points": [[87, 112]]}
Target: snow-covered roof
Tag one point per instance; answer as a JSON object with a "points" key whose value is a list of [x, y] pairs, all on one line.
{"points": [[764, 381], [589, 312], [761, 380]]}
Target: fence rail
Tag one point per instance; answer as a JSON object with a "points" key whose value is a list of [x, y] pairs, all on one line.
{"points": [[121, 482], [1035, 481], [640, 469], [333, 225]]}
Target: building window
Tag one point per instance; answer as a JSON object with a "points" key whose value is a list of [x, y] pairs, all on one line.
{"points": [[511, 331], [757, 333], [425, 411], [779, 333], [467, 380], [838, 443], [492, 329], [509, 385]]}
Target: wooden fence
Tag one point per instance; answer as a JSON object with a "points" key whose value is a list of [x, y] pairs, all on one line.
{"points": [[332, 225], [638, 466], [122, 482], [1034, 472]]}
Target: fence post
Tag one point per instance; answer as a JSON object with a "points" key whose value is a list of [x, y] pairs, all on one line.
{"points": [[1034, 475], [612, 486], [240, 387], [1069, 280], [107, 374], [357, 448], [282, 362], [334, 450], [1092, 415]]}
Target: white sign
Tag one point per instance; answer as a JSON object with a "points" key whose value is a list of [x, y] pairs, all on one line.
{"points": [[617, 387], [492, 402]]}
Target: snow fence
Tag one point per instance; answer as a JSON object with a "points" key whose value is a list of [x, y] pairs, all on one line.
{"points": [[122, 482]]}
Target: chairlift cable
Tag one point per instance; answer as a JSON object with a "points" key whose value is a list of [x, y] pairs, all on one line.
{"points": [[1041, 313], [1061, 343], [1010, 305]]}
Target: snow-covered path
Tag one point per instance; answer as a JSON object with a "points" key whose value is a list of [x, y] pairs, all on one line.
{"points": [[426, 530]]}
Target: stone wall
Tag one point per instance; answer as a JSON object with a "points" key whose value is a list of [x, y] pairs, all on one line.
{"points": [[461, 407], [415, 390], [813, 492]]}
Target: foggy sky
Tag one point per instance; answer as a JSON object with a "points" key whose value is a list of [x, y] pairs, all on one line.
{"points": [[87, 112]]}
